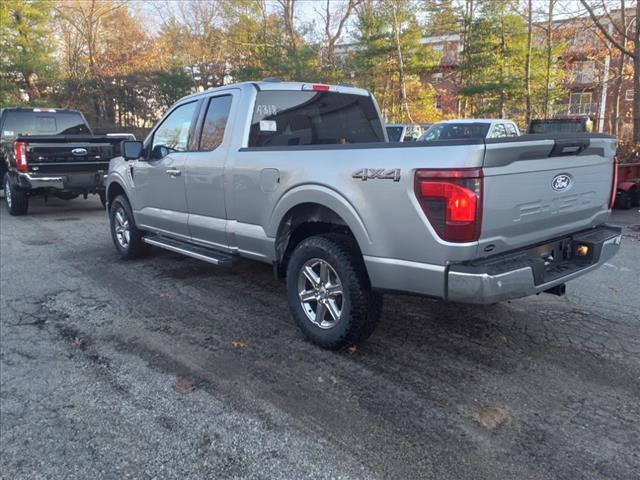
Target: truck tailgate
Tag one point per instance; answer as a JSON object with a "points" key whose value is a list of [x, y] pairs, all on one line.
{"points": [[69, 153], [540, 188]]}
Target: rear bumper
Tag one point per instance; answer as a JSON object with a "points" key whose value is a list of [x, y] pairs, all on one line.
{"points": [[502, 281], [73, 181]]}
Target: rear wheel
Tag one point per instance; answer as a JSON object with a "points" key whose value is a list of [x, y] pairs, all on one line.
{"points": [[15, 199], [126, 236], [329, 292]]}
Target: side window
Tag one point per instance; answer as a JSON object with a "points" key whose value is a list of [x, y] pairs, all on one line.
{"points": [[173, 134], [511, 130], [499, 131], [214, 123]]}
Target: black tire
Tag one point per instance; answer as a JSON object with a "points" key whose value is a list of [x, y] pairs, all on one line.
{"points": [[134, 247], [635, 198], [360, 305], [67, 195], [15, 199], [103, 199], [625, 201]]}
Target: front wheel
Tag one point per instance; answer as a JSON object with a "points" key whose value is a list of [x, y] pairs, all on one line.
{"points": [[329, 293], [126, 236], [15, 199]]}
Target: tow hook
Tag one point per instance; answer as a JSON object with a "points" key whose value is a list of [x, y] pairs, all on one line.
{"points": [[558, 290]]}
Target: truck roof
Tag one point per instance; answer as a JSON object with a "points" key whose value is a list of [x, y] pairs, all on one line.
{"points": [[278, 85], [39, 109]]}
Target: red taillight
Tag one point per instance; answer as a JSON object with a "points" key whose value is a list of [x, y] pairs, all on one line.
{"points": [[614, 182], [452, 201], [20, 153]]}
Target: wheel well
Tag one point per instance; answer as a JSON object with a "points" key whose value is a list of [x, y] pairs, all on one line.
{"points": [[114, 190], [303, 221]]}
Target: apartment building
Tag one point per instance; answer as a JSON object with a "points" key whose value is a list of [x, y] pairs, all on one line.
{"points": [[590, 80]]}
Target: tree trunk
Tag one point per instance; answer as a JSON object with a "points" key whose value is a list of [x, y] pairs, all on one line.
{"points": [[636, 79], [615, 110], [502, 72], [547, 93], [527, 66], [403, 87]]}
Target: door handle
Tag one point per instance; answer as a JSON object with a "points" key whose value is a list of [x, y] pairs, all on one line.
{"points": [[174, 172]]}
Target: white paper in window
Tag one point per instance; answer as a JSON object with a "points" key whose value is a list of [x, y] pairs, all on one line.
{"points": [[268, 126]]}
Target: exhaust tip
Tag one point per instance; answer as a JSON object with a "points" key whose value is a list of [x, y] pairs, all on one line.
{"points": [[558, 290]]}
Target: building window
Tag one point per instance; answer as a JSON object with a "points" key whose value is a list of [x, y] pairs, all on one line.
{"points": [[438, 47], [628, 95], [437, 78], [584, 72], [580, 104]]}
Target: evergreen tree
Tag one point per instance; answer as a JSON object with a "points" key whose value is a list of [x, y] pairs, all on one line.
{"points": [[26, 63]]}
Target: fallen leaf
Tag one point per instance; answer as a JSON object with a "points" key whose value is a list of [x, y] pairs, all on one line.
{"points": [[77, 343], [615, 289], [164, 295], [352, 349], [492, 417], [239, 344], [185, 384]]}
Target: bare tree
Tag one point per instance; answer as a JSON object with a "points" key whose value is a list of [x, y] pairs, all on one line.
{"points": [[335, 20], [527, 65], [401, 76], [620, 40], [549, 45]]}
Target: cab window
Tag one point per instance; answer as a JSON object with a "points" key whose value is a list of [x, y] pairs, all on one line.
{"points": [[511, 130], [215, 123], [499, 131], [173, 134]]}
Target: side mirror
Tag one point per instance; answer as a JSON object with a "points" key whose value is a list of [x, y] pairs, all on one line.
{"points": [[131, 149]]}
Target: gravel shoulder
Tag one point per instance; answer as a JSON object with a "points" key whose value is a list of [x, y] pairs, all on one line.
{"points": [[173, 368]]}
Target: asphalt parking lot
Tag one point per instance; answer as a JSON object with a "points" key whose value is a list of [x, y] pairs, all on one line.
{"points": [[173, 368]]}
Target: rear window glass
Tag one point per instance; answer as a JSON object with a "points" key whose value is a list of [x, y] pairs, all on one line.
{"points": [[394, 133], [560, 126], [455, 131], [45, 123], [290, 118]]}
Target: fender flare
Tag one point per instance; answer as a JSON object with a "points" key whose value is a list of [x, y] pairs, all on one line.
{"points": [[325, 197]]}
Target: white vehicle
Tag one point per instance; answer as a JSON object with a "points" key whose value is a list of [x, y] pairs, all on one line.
{"points": [[471, 128]]}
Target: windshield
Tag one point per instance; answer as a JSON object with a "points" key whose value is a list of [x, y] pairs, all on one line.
{"points": [[28, 122], [394, 133], [455, 131]]}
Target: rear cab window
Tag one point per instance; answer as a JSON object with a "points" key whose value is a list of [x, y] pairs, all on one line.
{"points": [[284, 118], [394, 133], [29, 122]]}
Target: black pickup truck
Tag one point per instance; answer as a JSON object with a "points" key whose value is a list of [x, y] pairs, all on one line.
{"points": [[52, 152]]}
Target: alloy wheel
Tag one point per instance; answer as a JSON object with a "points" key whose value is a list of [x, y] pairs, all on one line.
{"points": [[121, 227], [320, 292]]}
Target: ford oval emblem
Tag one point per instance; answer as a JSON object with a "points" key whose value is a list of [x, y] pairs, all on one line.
{"points": [[78, 152], [561, 183]]}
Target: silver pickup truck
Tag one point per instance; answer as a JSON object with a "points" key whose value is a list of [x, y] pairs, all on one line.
{"points": [[302, 176]]}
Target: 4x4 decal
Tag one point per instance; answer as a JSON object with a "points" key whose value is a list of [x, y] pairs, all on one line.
{"points": [[365, 174]]}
